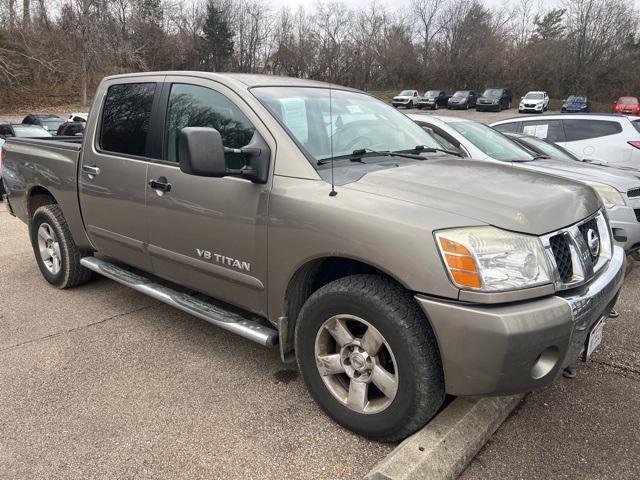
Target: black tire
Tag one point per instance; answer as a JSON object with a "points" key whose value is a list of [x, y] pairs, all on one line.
{"points": [[394, 313], [410, 105], [71, 273], [2, 190]]}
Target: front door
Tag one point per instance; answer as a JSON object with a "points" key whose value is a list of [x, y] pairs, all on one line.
{"points": [[209, 234], [113, 175]]}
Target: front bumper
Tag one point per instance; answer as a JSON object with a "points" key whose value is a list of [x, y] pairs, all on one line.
{"points": [[510, 348], [457, 105], [400, 103], [488, 106], [625, 227], [537, 108]]}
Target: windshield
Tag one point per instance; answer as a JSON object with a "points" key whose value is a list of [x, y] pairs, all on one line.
{"points": [[432, 93], [325, 128], [461, 93], [534, 96], [492, 92], [406, 93], [628, 100], [491, 142], [30, 132], [576, 99], [554, 152]]}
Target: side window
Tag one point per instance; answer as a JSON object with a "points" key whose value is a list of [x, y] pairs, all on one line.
{"points": [[195, 106], [585, 129], [126, 116], [512, 127], [548, 129]]}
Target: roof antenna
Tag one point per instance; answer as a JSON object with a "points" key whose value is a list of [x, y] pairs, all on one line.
{"points": [[333, 192]]}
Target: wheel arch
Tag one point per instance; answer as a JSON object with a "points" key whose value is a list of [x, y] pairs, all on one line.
{"points": [[37, 197], [308, 278]]}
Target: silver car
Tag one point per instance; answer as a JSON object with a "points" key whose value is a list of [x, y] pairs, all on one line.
{"points": [[609, 138], [618, 189]]}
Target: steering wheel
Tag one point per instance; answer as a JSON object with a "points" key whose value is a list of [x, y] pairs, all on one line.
{"points": [[350, 143]]}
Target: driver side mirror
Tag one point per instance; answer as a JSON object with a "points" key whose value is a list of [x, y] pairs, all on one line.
{"points": [[202, 153]]}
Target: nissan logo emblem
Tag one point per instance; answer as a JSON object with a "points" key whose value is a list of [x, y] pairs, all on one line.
{"points": [[593, 242]]}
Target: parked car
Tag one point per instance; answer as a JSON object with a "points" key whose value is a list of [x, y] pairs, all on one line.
{"points": [[627, 106], [46, 121], [385, 268], [576, 104], [78, 117], [496, 99], [8, 130], [70, 129], [462, 99], [433, 99], [406, 98], [537, 102], [608, 138], [617, 189]]}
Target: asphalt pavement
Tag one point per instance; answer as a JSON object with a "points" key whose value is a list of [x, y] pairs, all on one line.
{"points": [[102, 382]]}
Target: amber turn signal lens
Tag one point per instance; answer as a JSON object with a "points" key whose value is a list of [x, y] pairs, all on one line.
{"points": [[461, 263], [450, 246], [466, 279]]}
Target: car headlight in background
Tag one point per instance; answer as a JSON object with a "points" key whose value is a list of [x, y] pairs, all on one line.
{"points": [[489, 259], [610, 196]]}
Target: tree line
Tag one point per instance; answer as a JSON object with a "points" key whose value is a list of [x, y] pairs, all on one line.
{"points": [[58, 52]]}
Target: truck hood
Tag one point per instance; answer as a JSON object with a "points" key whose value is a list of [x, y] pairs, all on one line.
{"points": [[510, 198], [582, 171]]}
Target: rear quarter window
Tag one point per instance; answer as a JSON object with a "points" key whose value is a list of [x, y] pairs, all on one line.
{"points": [[636, 124], [586, 129], [126, 117]]}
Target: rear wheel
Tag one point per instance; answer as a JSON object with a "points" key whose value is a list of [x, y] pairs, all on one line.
{"points": [[57, 255], [369, 357]]}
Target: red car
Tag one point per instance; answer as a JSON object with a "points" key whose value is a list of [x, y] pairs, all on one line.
{"points": [[627, 106]]}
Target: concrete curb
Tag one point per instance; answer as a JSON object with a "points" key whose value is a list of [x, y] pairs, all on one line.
{"points": [[446, 445]]}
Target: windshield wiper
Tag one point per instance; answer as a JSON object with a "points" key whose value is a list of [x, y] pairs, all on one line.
{"points": [[357, 155], [541, 156], [422, 148]]}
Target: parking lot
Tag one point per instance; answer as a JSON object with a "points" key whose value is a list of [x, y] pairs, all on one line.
{"points": [[101, 381]]}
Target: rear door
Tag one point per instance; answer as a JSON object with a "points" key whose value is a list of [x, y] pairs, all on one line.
{"points": [[209, 234], [112, 180]]}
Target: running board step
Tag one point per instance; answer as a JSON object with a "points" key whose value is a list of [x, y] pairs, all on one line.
{"points": [[220, 317]]}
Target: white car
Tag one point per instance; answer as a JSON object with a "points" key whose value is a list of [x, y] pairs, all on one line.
{"points": [[534, 102], [618, 189], [609, 138], [78, 117], [406, 98]]}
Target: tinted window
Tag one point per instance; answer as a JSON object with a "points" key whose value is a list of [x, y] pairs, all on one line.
{"points": [[636, 124], [585, 129], [126, 117], [194, 106], [508, 127], [548, 129], [551, 150]]}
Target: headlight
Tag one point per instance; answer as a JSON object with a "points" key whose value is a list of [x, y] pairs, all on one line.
{"points": [[489, 259], [610, 196]]}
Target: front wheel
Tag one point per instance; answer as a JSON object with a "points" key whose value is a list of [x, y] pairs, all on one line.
{"points": [[57, 255], [369, 357]]}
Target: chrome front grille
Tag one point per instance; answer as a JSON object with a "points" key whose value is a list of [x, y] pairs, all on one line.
{"points": [[578, 252]]}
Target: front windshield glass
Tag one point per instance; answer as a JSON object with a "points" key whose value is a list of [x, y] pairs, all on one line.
{"points": [[406, 93], [534, 96], [492, 92], [31, 132], [432, 93], [492, 142], [349, 121], [552, 151], [461, 93], [629, 100], [576, 99]]}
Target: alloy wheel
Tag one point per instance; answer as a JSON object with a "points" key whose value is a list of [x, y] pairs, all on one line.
{"points": [[49, 248], [356, 364]]}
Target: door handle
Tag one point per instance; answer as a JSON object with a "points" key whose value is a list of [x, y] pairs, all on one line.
{"points": [[91, 170], [160, 186]]}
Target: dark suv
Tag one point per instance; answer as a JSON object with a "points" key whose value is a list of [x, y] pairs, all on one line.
{"points": [[495, 99], [46, 121]]}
